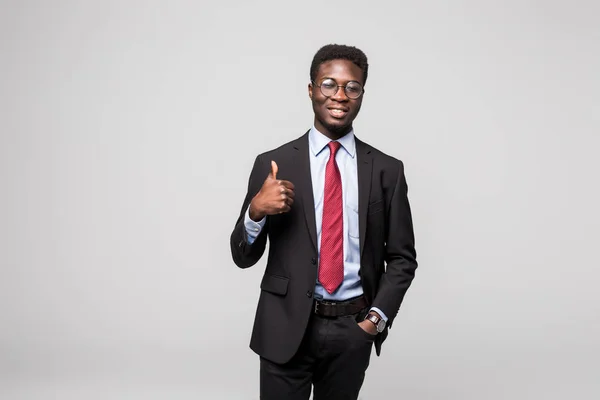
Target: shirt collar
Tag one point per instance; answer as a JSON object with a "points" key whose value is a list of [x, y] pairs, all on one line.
{"points": [[317, 142]]}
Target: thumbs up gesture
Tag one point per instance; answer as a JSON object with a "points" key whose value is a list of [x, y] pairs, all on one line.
{"points": [[275, 196]]}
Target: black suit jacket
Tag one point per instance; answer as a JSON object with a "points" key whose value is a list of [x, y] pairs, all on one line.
{"points": [[388, 257]]}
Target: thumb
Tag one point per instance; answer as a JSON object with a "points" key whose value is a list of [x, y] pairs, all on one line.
{"points": [[274, 170]]}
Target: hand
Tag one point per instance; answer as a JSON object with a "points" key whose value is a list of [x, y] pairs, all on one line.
{"points": [[275, 196], [368, 327]]}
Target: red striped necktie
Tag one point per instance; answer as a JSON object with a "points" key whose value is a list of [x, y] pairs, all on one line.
{"points": [[331, 266]]}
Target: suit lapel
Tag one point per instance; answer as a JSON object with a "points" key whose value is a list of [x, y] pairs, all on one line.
{"points": [[364, 164], [304, 186]]}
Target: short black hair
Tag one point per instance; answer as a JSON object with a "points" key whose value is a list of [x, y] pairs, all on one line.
{"points": [[339, 52]]}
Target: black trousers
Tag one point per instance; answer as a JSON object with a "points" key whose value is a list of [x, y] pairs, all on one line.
{"points": [[333, 357]]}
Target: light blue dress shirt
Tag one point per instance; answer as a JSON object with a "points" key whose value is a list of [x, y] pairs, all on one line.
{"points": [[346, 161]]}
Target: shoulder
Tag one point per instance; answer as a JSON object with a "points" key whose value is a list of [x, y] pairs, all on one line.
{"points": [[285, 148], [383, 159]]}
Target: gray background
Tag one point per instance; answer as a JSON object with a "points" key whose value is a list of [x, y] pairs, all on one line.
{"points": [[128, 130]]}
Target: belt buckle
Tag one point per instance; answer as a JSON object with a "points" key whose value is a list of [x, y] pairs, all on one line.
{"points": [[320, 303]]}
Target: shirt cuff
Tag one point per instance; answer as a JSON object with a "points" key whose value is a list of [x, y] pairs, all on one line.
{"points": [[253, 228], [378, 311]]}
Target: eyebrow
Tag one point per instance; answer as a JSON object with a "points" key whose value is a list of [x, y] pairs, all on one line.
{"points": [[351, 80]]}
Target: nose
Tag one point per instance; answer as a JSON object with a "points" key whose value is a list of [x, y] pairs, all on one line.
{"points": [[340, 95]]}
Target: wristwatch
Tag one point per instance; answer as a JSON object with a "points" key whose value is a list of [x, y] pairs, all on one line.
{"points": [[379, 323]]}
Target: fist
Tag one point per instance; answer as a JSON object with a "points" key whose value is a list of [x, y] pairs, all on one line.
{"points": [[275, 196]]}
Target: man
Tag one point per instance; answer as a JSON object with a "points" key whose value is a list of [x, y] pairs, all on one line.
{"points": [[341, 244]]}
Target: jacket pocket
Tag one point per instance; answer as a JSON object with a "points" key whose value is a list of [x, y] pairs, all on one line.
{"points": [[274, 284], [376, 206]]}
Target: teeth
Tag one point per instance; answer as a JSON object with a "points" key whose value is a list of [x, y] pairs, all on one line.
{"points": [[339, 112]]}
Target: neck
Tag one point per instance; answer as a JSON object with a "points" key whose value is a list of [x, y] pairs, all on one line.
{"points": [[333, 133]]}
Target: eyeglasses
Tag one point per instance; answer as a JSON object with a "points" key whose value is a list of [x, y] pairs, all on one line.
{"points": [[329, 87]]}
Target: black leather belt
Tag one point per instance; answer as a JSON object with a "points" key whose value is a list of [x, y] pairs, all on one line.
{"points": [[339, 308]]}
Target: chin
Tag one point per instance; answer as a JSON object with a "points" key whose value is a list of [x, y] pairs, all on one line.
{"points": [[338, 127]]}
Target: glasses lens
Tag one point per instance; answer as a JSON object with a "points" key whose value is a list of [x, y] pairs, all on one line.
{"points": [[328, 87], [353, 90]]}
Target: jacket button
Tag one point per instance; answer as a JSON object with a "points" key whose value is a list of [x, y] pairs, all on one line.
{"points": [[313, 261], [309, 294]]}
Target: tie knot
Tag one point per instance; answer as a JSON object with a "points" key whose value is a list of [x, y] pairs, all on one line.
{"points": [[334, 147]]}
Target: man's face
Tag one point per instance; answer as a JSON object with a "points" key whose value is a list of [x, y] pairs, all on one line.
{"points": [[334, 114]]}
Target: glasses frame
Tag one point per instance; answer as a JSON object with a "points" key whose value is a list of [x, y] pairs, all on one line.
{"points": [[338, 88]]}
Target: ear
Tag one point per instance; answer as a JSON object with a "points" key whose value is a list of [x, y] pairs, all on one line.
{"points": [[310, 90]]}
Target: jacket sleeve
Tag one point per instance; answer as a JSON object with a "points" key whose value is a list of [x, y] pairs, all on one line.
{"points": [[243, 253], [400, 254]]}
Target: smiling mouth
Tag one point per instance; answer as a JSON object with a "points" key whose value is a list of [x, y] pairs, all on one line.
{"points": [[337, 113]]}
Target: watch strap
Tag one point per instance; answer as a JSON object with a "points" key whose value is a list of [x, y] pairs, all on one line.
{"points": [[375, 320]]}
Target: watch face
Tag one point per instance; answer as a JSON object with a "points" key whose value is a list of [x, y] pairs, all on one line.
{"points": [[379, 323]]}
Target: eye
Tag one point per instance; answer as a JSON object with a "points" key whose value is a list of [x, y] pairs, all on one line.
{"points": [[328, 84], [353, 88]]}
